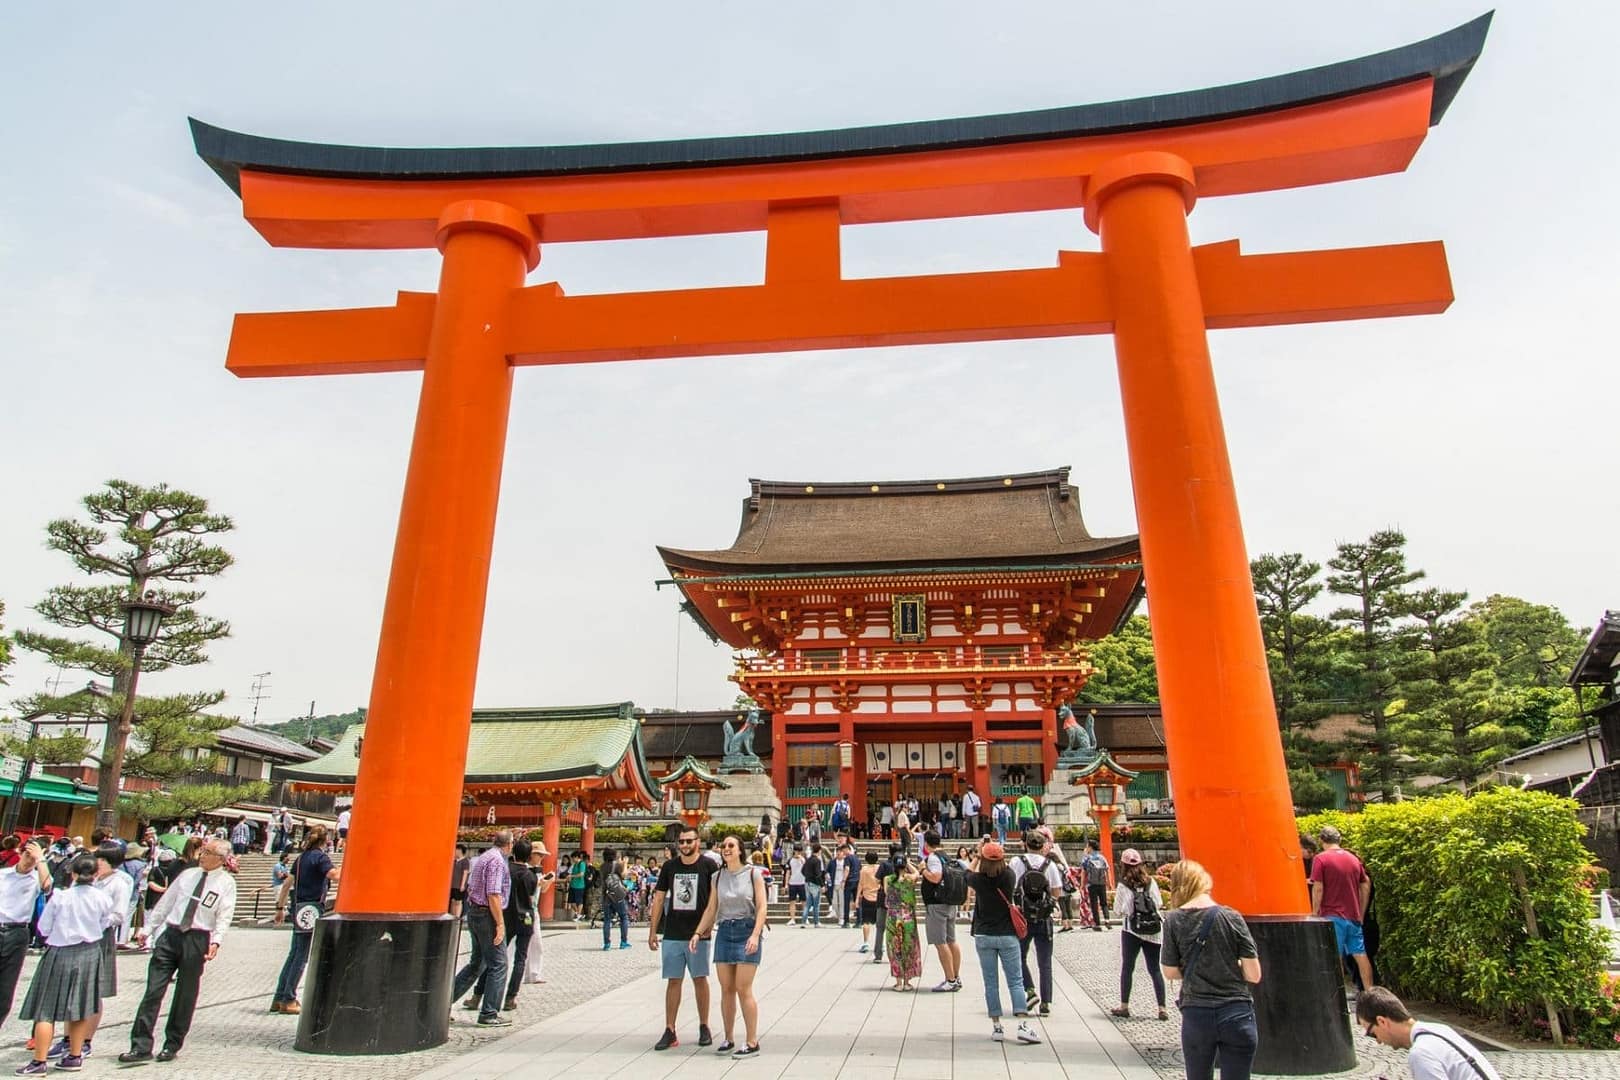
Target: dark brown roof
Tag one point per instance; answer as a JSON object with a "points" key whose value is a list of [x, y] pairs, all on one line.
{"points": [[670, 736], [1021, 518]]}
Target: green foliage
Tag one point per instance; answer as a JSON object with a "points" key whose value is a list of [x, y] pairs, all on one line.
{"points": [[1374, 577], [146, 540], [5, 648], [745, 833], [1533, 644], [1450, 718], [1452, 878], [1125, 666], [188, 800], [303, 729]]}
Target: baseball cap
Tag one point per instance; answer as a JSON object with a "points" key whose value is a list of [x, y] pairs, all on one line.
{"points": [[993, 850], [1131, 857]]}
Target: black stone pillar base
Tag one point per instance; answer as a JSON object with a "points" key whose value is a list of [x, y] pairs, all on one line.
{"points": [[378, 984], [1300, 1004]]}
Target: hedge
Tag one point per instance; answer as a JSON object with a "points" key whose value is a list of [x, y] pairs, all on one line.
{"points": [[1482, 903]]}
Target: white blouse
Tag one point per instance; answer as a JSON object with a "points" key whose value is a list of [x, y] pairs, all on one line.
{"points": [[75, 916]]}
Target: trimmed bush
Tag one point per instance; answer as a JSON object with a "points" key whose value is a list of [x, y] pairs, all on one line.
{"points": [[1481, 903]]}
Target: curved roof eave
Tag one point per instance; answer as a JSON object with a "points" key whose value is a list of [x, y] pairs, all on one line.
{"points": [[1446, 58]]}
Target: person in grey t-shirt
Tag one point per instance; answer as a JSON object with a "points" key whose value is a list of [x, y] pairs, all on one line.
{"points": [[1217, 1008]]}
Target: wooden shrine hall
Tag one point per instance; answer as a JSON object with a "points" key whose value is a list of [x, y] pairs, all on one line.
{"points": [[544, 766], [910, 637]]}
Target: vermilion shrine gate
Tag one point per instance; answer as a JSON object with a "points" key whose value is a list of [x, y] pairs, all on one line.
{"points": [[1135, 167]]}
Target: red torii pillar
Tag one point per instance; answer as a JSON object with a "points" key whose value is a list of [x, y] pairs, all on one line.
{"points": [[1135, 167]]}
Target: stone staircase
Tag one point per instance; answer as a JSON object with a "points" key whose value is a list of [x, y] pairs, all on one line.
{"points": [[255, 896]]}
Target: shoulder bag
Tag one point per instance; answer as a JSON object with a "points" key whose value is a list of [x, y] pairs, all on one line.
{"points": [[1204, 929]]}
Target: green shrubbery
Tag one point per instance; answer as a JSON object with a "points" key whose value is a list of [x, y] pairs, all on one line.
{"points": [[1482, 903]]}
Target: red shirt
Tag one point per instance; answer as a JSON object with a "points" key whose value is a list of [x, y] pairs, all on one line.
{"points": [[1340, 874]]}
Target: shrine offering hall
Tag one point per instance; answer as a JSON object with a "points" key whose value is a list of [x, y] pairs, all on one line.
{"points": [[913, 637]]}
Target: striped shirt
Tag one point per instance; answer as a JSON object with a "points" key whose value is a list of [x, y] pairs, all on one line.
{"points": [[490, 875]]}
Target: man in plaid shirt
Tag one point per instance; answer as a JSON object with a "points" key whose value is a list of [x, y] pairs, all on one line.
{"points": [[489, 883]]}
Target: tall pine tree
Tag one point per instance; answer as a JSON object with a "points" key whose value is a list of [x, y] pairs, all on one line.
{"points": [[1373, 576], [1300, 654], [135, 540], [1448, 717]]}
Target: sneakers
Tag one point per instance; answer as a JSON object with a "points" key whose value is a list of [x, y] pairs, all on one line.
{"points": [[70, 1063], [1032, 996], [58, 1049], [134, 1057], [865, 947], [510, 1005], [494, 1021], [1046, 1008], [624, 944], [945, 987], [997, 1033], [956, 984], [1026, 1034], [705, 1036], [667, 1040], [606, 946], [746, 1051], [34, 1068], [1122, 1011], [472, 1004], [726, 1047]]}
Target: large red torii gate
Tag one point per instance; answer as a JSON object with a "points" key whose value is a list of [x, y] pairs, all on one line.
{"points": [[1135, 167]]}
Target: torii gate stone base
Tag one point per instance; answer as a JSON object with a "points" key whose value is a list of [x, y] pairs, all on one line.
{"points": [[1136, 167]]}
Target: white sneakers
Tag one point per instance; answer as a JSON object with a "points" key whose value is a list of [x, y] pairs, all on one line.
{"points": [[1024, 1034]]}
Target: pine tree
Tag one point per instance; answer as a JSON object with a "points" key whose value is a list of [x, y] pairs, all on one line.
{"points": [[1301, 654], [1374, 576], [136, 540], [1448, 716]]}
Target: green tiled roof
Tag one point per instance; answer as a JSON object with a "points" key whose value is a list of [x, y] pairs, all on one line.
{"points": [[516, 746]]}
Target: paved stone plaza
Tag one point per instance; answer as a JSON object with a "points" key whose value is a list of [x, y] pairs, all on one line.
{"points": [[825, 1013]]}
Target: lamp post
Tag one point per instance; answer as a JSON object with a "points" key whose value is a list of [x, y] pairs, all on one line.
{"points": [[143, 618], [1103, 779]]}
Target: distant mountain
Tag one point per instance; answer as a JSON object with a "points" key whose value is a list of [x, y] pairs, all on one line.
{"points": [[304, 728]]}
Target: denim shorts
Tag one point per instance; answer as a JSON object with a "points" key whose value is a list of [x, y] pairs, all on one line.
{"points": [[731, 942], [678, 960], [1349, 936]]}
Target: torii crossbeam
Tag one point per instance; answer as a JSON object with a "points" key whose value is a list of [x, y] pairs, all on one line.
{"points": [[1135, 167]]}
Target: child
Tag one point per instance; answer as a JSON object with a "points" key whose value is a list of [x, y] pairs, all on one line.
{"points": [[67, 984]]}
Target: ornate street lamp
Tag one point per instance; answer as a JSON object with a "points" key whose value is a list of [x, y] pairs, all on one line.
{"points": [[143, 619], [692, 784], [1102, 779]]}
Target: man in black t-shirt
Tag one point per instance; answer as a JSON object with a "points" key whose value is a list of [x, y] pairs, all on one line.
{"points": [[678, 904]]}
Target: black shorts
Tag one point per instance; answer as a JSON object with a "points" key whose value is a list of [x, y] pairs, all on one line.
{"points": [[869, 912], [796, 892]]}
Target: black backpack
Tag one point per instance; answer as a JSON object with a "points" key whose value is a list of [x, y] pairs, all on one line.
{"points": [[1033, 893], [952, 885], [1145, 917]]}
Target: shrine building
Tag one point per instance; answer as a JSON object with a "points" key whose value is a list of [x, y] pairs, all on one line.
{"points": [[912, 637]]}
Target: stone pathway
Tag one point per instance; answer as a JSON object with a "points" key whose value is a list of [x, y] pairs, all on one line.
{"points": [[1092, 959], [825, 1013]]}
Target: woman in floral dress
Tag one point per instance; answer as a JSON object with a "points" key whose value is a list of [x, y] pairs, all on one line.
{"points": [[900, 911]]}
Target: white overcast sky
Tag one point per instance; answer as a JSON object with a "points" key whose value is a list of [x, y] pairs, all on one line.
{"points": [[1479, 432]]}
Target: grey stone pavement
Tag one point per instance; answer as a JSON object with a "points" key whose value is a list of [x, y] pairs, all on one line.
{"points": [[824, 1010]]}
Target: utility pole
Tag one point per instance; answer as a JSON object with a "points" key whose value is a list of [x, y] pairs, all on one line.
{"points": [[309, 725], [260, 691]]}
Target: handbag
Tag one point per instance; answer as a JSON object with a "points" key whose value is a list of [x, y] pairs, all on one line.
{"points": [[1020, 924]]}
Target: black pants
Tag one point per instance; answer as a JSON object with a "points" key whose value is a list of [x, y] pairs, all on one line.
{"points": [[1096, 895], [1040, 933], [1227, 1033], [13, 951], [178, 958], [1130, 945], [519, 944]]}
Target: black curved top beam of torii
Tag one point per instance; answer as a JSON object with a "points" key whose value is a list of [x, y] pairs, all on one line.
{"points": [[1446, 58]]}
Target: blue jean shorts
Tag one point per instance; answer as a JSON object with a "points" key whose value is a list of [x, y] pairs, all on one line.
{"points": [[1349, 936], [679, 961], [731, 942]]}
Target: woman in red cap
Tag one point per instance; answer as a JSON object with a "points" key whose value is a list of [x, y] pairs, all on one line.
{"points": [[1140, 911], [996, 940]]}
